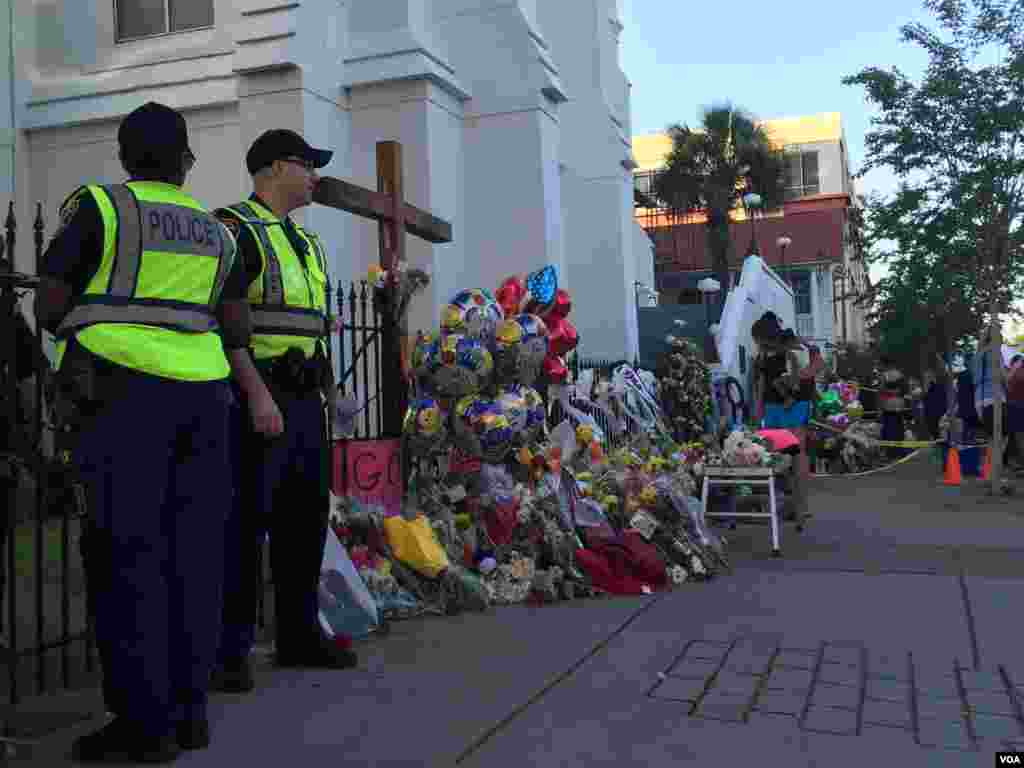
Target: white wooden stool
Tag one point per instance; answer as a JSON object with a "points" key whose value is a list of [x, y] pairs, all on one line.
{"points": [[736, 476]]}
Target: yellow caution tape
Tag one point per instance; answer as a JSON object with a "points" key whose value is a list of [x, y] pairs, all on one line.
{"points": [[873, 471], [883, 443], [905, 443]]}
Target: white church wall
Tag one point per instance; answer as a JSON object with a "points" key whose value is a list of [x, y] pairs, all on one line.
{"points": [[599, 234], [511, 138]]}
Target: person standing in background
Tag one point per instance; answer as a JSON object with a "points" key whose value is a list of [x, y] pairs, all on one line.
{"points": [[892, 400]]}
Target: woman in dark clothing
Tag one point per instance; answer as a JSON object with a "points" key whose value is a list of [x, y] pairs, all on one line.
{"points": [[785, 395], [935, 403], [893, 401], [966, 408]]}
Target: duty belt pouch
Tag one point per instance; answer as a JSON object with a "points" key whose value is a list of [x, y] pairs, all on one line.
{"points": [[77, 388]]}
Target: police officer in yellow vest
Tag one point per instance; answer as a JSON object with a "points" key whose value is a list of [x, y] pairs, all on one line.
{"points": [[140, 286], [283, 461]]}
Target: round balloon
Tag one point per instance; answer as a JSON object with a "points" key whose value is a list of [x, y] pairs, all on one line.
{"points": [[424, 426], [513, 406], [424, 350], [510, 295], [481, 429], [507, 343], [533, 348], [459, 366], [474, 313]]}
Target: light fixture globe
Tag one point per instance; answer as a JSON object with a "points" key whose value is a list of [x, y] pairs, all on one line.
{"points": [[784, 241]]}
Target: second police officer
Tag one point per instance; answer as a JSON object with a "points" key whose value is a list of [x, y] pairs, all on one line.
{"points": [[283, 459]]}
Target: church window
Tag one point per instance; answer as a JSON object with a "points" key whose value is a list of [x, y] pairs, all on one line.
{"points": [[147, 18]]}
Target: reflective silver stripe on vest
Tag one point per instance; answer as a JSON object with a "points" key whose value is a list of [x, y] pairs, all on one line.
{"points": [[273, 283], [268, 321], [227, 261], [321, 257], [190, 321], [128, 254]]}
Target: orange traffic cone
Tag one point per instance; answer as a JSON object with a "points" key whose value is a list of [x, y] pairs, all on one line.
{"points": [[952, 475], [986, 467]]}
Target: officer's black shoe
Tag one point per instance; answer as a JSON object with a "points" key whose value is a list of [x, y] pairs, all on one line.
{"points": [[119, 742], [233, 677], [323, 656], [193, 734]]}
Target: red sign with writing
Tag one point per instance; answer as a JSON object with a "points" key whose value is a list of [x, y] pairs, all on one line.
{"points": [[370, 471]]}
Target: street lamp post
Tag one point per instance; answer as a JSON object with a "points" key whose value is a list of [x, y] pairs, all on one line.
{"points": [[839, 294], [708, 287], [784, 241], [638, 288], [751, 202]]}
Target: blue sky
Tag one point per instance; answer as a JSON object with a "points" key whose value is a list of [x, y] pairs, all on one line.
{"points": [[774, 59]]}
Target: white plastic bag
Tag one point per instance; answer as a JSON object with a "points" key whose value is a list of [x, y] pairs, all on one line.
{"points": [[346, 605]]}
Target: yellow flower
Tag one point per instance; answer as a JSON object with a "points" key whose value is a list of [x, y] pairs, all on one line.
{"points": [[649, 496]]}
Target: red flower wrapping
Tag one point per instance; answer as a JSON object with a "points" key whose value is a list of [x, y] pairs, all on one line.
{"points": [[555, 370]]}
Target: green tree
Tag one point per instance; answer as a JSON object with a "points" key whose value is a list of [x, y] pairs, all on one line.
{"points": [[711, 167], [952, 233]]}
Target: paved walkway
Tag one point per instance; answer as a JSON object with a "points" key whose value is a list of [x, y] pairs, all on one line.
{"points": [[889, 634]]}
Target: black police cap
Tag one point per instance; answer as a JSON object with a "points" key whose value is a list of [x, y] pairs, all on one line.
{"points": [[279, 144], [154, 126]]}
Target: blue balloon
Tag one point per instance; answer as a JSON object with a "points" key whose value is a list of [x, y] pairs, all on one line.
{"points": [[543, 284]]}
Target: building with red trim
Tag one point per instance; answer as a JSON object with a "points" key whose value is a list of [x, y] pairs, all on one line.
{"points": [[820, 263]]}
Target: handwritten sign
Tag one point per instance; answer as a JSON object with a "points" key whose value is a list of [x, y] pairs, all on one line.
{"points": [[370, 471]]}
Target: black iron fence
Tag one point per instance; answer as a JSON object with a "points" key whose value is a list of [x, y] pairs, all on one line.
{"points": [[46, 640]]}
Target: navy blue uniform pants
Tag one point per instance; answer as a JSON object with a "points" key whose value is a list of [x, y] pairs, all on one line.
{"points": [[283, 491], [155, 465]]}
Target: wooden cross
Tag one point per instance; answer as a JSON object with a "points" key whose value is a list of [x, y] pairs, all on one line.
{"points": [[394, 217]]}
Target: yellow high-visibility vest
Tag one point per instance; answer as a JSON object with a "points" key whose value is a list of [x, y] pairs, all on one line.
{"points": [[150, 305], [289, 300]]}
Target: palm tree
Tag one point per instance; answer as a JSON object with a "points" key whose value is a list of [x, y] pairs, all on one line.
{"points": [[710, 168]]}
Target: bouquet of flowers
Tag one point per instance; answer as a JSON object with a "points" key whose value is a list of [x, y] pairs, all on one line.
{"points": [[685, 388]]}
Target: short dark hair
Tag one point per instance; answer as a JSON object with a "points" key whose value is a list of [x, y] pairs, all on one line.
{"points": [[154, 165]]}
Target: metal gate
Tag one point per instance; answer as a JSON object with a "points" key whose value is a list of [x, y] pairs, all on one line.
{"points": [[46, 642]]}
